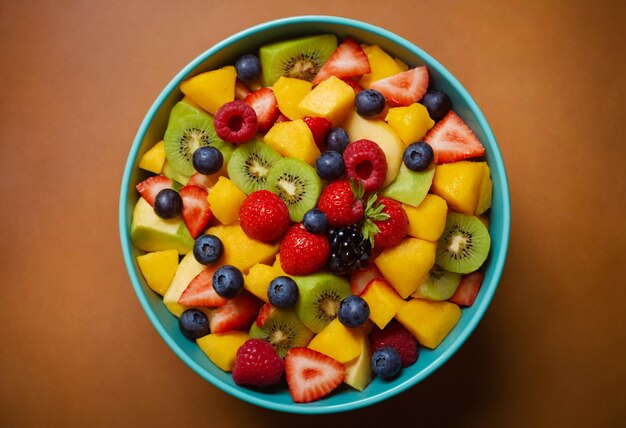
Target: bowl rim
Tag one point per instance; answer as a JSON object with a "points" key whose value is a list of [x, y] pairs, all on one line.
{"points": [[497, 259]]}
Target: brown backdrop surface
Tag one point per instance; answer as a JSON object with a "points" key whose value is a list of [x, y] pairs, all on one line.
{"points": [[77, 77]]}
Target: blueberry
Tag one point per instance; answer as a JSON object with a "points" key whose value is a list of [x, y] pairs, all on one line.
{"points": [[248, 68], [337, 139], [207, 249], [194, 324], [369, 103], [386, 362], [418, 156], [227, 281], [168, 203], [437, 103], [330, 165], [315, 221], [207, 160], [353, 311], [282, 292]]}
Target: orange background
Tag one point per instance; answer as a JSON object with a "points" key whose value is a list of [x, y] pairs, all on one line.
{"points": [[76, 79]]}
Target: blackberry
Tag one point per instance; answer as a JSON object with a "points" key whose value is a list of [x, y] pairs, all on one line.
{"points": [[348, 250]]}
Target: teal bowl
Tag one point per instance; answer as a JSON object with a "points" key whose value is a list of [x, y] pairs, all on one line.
{"points": [[225, 52]]}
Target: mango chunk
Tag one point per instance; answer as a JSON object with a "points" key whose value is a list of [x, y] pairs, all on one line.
{"points": [[485, 192], [428, 219], [383, 301], [382, 65], [225, 199], [221, 348], [332, 99], [338, 342], [212, 89], [289, 93], [411, 122], [154, 158], [293, 139], [240, 250], [430, 322], [158, 268], [259, 277], [459, 184]]}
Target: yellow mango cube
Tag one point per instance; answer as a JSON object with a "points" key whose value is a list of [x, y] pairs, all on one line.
{"points": [[240, 250], [289, 92], [293, 139], [406, 265], [382, 65], [411, 122], [332, 99], [158, 268], [258, 279], [212, 89], [430, 322], [221, 348], [338, 342], [459, 184], [485, 192], [154, 158], [225, 199], [383, 301], [403, 66], [428, 219]]}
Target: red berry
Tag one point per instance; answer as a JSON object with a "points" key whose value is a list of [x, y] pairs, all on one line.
{"points": [[399, 338], [366, 161], [341, 206], [355, 85], [394, 229], [257, 364], [264, 216], [151, 186], [452, 140], [468, 289], [303, 252], [404, 88], [237, 314], [235, 122], [196, 212], [319, 127], [311, 375], [263, 101]]}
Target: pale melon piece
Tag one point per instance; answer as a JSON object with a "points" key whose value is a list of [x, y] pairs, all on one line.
{"points": [[187, 270], [149, 232]]}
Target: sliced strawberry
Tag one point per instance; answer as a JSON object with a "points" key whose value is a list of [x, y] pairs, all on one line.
{"points": [[404, 88], [200, 291], [452, 140], [319, 127], [149, 188], [282, 118], [203, 181], [264, 313], [241, 90], [196, 211], [263, 101], [311, 375], [237, 314], [348, 60], [467, 290], [355, 85], [360, 278]]}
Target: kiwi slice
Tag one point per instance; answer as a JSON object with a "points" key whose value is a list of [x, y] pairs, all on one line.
{"points": [[283, 330], [184, 135], [464, 245], [250, 164], [297, 183], [439, 284], [182, 109], [178, 178], [300, 58], [319, 296]]}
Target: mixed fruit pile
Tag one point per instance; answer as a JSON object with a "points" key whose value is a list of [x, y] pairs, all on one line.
{"points": [[316, 215]]}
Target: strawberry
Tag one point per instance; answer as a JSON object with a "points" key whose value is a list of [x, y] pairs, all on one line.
{"points": [[196, 212], [203, 181], [303, 252], [149, 188], [200, 291], [311, 375], [342, 204], [319, 127], [264, 104], [468, 288], [355, 85], [360, 278], [399, 338], [404, 88], [365, 161], [237, 314], [282, 118], [257, 364], [452, 140], [264, 216], [393, 229], [241, 90], [348, 60], [264, 313]]}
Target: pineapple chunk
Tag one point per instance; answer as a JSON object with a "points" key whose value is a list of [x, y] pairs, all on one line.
{"points": [[428, 219], [289, 92], [293, 139], [212, 89], [225, 199], [430, 322], [382, 65], [332, 99], [240, 250], [221, 348], [459, 183], [158, 268], [411, 122], [154, 158]]}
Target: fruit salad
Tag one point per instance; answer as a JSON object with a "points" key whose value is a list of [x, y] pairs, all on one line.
{"points": [[314, 215]]}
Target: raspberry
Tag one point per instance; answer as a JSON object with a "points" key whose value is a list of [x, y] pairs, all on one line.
{"points": [[264, 216], [257, 364], [319, 127], [394, 229], [340, 204], [302, 252], [235, 122], [366, 161], [399, 338]]}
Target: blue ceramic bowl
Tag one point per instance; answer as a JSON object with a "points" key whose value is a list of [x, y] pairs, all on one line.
{"points": [[226, 52]]}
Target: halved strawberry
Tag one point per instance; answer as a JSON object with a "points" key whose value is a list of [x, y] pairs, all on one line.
{"points": [[149, 188], [203, 181], [311, 375], [319, 127], [196, 212], [360, 278], [282, 118], [355, 85], [263, 101], [452, 140], [348, 60], [264, 312], [404, 88], [468, 288], [241, 90], [200, 291], [237, 314]]}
